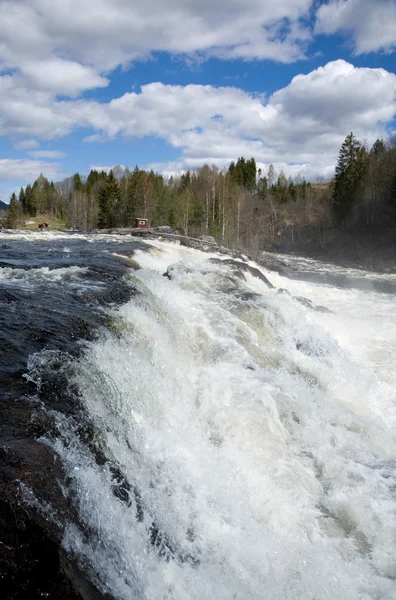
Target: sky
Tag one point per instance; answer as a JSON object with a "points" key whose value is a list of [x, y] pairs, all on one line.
{"points": [[177, 84]]}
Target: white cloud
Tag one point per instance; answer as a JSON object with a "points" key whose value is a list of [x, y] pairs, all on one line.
{"points": [[28, 144], [301, 125], [54, 154], [30, 113], [372, 23], [27, 170], [50, 49], [106, 33], [61, 76]]}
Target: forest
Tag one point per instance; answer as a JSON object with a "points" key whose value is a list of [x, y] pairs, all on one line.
{"points": [[241, 207]]}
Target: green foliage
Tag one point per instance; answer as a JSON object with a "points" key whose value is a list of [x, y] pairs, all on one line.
{"points": [[243, 173], [77, 183], [21, 197], [262, 186], [13, 212], [349, 173], [27, 201], [378, 148], [240, 207], [109, 198]]}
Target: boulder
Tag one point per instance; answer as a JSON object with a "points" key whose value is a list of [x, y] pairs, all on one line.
{"points": [[208, 239], [240, 267]]}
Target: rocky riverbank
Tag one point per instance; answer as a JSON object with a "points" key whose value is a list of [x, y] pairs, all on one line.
{"points": [[51, 303]]}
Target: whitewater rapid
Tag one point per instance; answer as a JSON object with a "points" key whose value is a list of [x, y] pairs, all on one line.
{"points": [[257, 437]]}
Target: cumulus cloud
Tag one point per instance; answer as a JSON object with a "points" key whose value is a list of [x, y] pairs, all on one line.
{"points": [[27, 170], [53, 52], [371, 23], [108, 33], [61, 76], [30, 113], [301, 125]]}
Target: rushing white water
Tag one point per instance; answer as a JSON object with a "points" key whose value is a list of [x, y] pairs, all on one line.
{"points": [[44, 273], [258, 434]]}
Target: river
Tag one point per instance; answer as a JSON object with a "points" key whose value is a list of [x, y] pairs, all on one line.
{"points": [[242, 444]]}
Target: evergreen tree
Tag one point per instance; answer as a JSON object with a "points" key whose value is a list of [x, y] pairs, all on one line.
{"points": [[282, 181], [21, 198], [78, 185], [251, 174], [292, 189], [92, 179], [348, 174], [13, 212], [378, 148], [262, 186], [27, 205], [240, 171], [109, 197], [243, 173]]}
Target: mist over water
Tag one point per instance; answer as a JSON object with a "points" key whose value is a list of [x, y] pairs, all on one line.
{"points": [[250, 441]]}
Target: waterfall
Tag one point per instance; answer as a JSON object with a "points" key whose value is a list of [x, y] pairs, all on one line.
{"points": [[233, 442]]}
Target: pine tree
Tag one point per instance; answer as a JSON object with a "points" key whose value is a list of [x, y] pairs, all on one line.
{"points": [[78, 185], [13, 212], [109, 197], [348, 174], [21, 198], [27, 205], [378, 148], [243, 173], [251, 174]]}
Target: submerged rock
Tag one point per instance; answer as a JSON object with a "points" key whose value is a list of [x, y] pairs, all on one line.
{"points": [[305, 302], [240, 267]]}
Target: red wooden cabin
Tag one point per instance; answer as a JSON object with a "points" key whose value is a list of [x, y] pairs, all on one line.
{"points": [[141, 223]]}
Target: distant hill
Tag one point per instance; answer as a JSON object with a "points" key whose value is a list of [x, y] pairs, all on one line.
{"points": [[3, 206]]}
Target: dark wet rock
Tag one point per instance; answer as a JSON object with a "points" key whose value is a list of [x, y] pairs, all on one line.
{"points": [[295, 418], [309, 304], [240, 267], [174, 270], [305, 302], [47, 320], [30, 565], [45, 325], [208, 239], [283, 291], [164, 229], [323, 309], [30, 531], [246, 296], [272, 263]]}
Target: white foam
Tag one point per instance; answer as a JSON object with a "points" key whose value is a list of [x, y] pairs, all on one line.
{"points": [[43, 273], [258, 434]]}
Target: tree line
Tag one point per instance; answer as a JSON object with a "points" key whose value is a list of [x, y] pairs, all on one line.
{"points": [[241, 207]]}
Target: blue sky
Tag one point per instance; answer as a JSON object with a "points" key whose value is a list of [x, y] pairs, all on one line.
{"points": [[108, 82]]}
